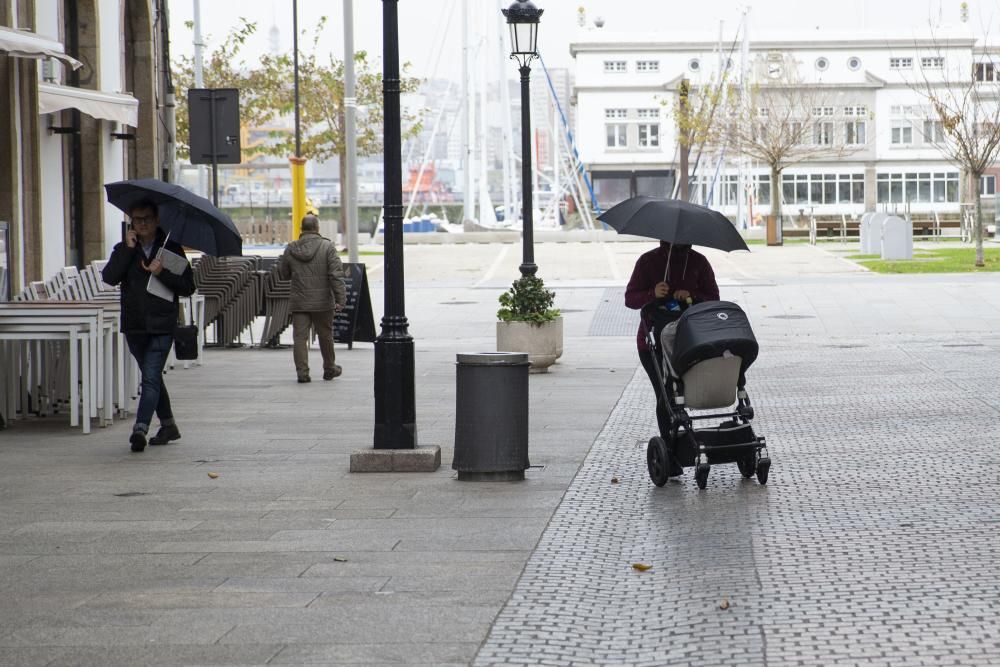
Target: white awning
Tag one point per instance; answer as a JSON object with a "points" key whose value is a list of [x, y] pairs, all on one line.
{"points": [[108, 106], [24, 44]]}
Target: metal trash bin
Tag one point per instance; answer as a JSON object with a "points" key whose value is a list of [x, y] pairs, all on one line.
{"points": [[491, 416]]}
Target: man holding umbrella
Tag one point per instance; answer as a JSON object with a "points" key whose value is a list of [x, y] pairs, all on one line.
{"points": [[148, 320]]}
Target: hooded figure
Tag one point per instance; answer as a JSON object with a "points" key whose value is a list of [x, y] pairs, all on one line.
{"points": [[318, 290], [667, 272]]}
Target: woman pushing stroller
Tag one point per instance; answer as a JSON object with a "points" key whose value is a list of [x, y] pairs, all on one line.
{"points": [[671, 272]]}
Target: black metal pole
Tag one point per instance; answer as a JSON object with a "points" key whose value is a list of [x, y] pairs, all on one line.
{"points": [[395, 411], [528, 267], [295, 68]]}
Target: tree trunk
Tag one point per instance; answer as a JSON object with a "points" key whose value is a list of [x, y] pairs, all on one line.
{"points": [[980, 260], [685, 178], [776, 194]]}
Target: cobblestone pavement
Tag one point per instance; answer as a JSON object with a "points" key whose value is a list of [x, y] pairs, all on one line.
{"points": [[874, 543]]}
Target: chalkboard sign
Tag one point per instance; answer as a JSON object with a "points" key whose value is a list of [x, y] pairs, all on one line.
{"points": [[355, 322]]}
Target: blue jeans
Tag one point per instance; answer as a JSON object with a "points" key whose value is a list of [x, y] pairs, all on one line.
{"points": [[150, 351]]}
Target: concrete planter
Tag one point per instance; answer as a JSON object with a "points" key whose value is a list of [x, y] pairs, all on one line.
{"points": [[542, 342]]}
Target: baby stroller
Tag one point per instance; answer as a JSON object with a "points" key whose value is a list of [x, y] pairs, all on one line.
{"points": [[713, 348]]}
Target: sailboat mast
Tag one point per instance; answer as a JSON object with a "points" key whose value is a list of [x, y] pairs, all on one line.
{"points": [[466, 120], [741, 189], [507, 145], [487, 216]]}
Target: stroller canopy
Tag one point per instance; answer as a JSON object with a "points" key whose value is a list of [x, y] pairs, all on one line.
{"points": [[708, 329]]}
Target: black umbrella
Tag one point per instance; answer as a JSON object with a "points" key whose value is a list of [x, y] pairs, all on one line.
{"points": [[674, 221], [191, 220]]}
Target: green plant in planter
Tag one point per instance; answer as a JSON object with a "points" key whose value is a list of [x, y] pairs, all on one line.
{"points": [[527, 301]]}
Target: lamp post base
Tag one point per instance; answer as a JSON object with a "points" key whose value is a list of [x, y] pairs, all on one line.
{"points": [[418, 459], [528, 269], [395, 411]]}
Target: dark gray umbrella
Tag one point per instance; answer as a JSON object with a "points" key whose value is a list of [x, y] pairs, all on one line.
{"points": [[674, 221], [191, 220]]}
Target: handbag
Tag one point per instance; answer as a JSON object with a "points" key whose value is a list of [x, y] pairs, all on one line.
{"points": [[186, 338]]}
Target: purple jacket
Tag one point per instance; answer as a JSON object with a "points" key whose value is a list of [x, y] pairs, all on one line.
{"points": [[688, 271]]}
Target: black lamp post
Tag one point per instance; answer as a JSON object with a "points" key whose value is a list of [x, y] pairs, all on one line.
{"points": [[395, 411], [522, 17]]}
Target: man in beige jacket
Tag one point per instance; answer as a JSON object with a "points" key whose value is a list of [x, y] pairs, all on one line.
{"points": [[318, 290]]}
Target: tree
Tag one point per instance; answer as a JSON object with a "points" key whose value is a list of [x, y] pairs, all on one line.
{"points": [[964, 102], [783, 122], [321, 103], [267, 93], [694, 113]]}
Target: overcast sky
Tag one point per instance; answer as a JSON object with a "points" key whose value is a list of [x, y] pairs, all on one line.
{"points": [[430, 30]]}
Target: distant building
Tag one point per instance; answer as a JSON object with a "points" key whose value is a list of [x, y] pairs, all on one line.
{"points": [[66, 132], [626, 86]]}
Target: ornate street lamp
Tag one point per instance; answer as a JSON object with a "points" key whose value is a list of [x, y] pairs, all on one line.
{"points": [[522, 17], [395, 412]]}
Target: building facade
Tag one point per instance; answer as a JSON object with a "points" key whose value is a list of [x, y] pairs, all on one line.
{"points": [[872, 139], [85, 99]]}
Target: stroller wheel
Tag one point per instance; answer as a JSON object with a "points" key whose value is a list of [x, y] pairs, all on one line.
{"points": [[763, 468], [701, 474], [747, 466], [658, 461]]}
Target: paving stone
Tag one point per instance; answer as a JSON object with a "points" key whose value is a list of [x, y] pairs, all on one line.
{"points": [[871, 544]]}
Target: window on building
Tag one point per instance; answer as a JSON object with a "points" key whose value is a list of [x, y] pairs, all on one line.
{"points": [[616, 128], [919, 187], [819, 189], [856, 111], [823, 133], [793, 131], [900, 63], [647, 66], [854, 133], [985, 72], [933, 131], [988, 185], [724, 191], [615, 66], [649, 128], [822, 111], [611, 188], [902, 133], [932, 62]]}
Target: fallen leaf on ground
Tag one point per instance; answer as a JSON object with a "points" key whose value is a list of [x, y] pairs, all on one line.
{"points": [[213, 475], [724, 604], [614, 480], [642, 567]]}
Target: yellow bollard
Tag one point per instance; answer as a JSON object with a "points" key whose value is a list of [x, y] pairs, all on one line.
{"points": [[298, 194]]}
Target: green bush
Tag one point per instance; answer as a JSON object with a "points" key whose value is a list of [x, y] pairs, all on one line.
{"points": [[527, 301]]}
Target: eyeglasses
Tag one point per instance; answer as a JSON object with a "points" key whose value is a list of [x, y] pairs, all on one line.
{"points": [[144, 219]]}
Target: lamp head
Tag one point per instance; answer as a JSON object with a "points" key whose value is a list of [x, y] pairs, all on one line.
{"points": [[522, 17]]}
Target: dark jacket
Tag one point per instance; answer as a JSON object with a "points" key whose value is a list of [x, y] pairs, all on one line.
{"points": [[143, 312], [316, 272], [688, 271]]}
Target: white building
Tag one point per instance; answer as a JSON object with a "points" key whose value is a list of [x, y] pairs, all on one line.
{"points": [[82, 97], [880, 130]]}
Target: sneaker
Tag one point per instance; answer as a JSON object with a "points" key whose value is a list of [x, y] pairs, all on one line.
{"points": [[335, 373], [138, 441], [304, 378], [165, 435]]}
